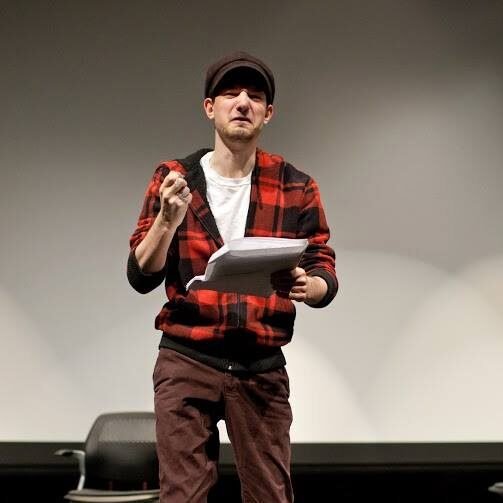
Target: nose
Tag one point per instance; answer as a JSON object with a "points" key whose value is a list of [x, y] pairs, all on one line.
{"points": [[243, 100]]}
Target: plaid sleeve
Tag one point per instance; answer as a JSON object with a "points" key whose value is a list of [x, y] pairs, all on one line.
{"points": [[319, 258], [141, 281]]}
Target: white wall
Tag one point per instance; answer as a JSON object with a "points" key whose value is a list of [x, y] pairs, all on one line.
{"points": [[394, 107]]}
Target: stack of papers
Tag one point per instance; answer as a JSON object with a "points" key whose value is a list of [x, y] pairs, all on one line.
{"points": [[245, 265]]}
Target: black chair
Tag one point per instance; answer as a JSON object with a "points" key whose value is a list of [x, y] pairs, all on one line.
{"points": [[119, 462]]}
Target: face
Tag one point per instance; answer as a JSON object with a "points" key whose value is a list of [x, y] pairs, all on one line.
{"points": [[239, 111]]}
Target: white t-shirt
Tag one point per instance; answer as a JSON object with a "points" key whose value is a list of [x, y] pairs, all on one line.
{"points": [[229, 200]]}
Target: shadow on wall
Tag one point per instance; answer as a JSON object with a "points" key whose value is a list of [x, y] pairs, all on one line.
{"points": [[419, 361], [406, 352], [49, 393]]}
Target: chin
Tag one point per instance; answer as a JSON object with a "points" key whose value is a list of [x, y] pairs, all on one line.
{"points": [[239, 134]]}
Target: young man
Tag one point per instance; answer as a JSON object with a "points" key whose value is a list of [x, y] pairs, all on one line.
{"points": [[220, 353]]}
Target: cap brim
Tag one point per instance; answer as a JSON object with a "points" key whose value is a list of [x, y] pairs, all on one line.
{"points": [[234, 66]]}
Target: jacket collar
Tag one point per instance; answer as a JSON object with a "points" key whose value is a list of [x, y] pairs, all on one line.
{"points": [[199, 205], [194, 175]]}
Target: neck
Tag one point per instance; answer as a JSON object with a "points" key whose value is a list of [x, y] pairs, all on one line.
{"points": [[233, 160]]}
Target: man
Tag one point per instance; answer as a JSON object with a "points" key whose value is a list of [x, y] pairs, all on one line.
{"points": [[220, 354]]}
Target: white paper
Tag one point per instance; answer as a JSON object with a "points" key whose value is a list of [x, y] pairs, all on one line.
{"points": [[245, 265]]}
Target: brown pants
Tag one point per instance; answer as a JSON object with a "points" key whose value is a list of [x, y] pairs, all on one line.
{"points": [[190, 398]]}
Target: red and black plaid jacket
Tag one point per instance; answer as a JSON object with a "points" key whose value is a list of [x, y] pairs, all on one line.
{"points": [[284, 202]]}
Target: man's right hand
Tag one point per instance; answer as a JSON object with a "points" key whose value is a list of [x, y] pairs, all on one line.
{"points": [[175, 198]]}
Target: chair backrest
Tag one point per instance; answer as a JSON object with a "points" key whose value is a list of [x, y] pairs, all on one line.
{"points": [[121, 450]]}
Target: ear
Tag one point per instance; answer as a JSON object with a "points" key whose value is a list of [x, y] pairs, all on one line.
{"points": [[269, 112], [208, 108]]}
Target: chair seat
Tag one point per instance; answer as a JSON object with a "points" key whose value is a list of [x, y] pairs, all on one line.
{"points": [[497, 488], [120, 449], [103, 496]]}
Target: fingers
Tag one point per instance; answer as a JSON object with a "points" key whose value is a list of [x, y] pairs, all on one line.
{"points": [[169, 180], [175, 197], [290, 283], [185, 195], [296, 276], [298, 296], [174, 184], [184, 192]]}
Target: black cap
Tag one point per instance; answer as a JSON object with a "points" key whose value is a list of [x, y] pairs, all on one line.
{"points": [[238, 60]]}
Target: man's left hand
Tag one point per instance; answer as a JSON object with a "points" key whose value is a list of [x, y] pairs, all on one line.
{"points": [[296, 285]]}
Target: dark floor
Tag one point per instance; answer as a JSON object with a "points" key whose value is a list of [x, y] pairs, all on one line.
{"points": [[345, 473], [309, 488]]}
